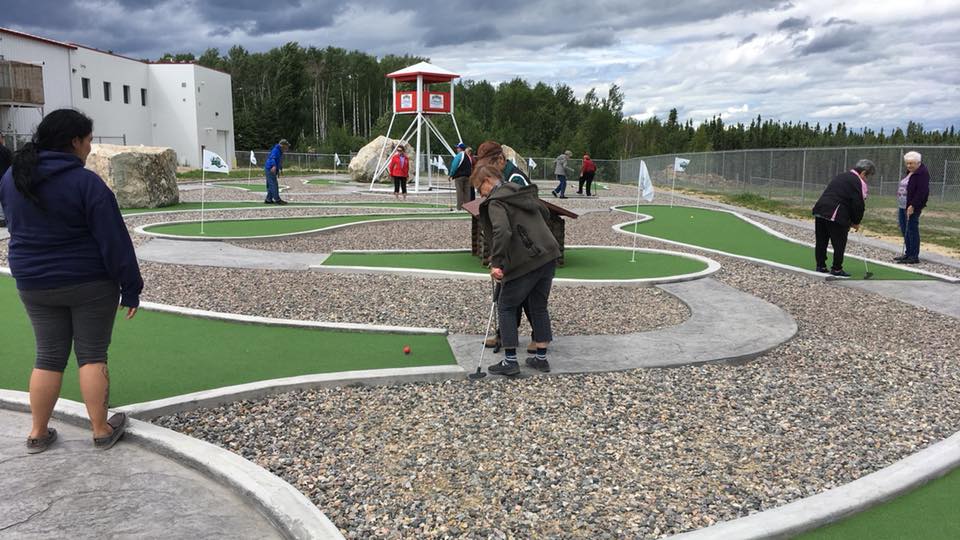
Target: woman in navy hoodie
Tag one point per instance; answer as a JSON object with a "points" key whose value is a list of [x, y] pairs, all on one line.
{"points": [[73, 262]]}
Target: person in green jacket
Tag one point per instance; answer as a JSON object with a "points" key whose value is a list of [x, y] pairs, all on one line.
{"points": [[523, 258]]}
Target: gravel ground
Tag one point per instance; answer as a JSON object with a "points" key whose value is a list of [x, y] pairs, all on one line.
{"points": [[636, 454]]}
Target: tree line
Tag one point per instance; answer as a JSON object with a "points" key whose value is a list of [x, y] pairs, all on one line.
{"points": [[333, 100]]}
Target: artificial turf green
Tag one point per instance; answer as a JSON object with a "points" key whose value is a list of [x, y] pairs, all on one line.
{"points": [[158, 355], [580, 263], [261, 227], [725, 232], [220, 205], [257, 188], [929, 512]]}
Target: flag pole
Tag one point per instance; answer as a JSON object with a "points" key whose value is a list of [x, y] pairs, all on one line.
{"points": [[673, 185], [636, 215], [203, 186]]}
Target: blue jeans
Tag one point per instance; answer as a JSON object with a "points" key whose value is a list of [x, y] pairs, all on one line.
{"points": [[562, 188], [273, 188], [910, 228]]}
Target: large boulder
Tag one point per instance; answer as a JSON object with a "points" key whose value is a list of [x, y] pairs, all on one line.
{"points": [[140, 176], [364, 165]]}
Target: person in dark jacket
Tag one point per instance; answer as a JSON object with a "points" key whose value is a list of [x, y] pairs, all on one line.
{"points": [[6, 158], [839, 209], [587, 171], [72, 259], [460, 169], [523, 257], [912, 197], [272, 167]]}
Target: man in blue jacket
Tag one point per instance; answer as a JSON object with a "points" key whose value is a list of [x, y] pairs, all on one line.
{"points": [[272, 168]]}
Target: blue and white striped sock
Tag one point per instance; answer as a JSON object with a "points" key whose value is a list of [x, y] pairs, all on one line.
{"points": [[510, 356]]}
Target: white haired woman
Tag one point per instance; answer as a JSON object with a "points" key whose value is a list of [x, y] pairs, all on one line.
{"points": [[912, 197]]}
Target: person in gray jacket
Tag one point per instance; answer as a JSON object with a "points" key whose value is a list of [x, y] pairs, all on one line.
{"points": [[523, 257], [561, 171]]}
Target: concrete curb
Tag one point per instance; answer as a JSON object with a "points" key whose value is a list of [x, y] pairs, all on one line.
{"points": [[768, 230], [228, 394], [838, 503], [712, 267], [288, 509], [142, 229]]}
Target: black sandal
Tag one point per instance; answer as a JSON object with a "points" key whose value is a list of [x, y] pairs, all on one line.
{"points": [[119, 424], [35, 446]]}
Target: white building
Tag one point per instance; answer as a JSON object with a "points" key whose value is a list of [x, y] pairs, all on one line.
{"points": [[180, 105]]}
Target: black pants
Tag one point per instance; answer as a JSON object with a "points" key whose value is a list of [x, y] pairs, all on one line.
{"points": [[588, 178], [400, 182], [534, 288], [836, 234]]}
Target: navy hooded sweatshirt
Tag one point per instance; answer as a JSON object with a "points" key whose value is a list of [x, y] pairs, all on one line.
{"points": [[76, 234]]}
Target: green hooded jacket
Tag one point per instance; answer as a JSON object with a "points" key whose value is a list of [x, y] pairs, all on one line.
{"points": [[515, 221]]}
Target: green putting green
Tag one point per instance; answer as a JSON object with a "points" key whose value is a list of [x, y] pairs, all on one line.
{"points": [[158, 355], [251, 204], [725, 232], [929, 512], [264, 227], [580, 263]]}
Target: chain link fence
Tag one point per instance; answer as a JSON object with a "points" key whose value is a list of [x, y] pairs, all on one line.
{"points": [[800, 174]]}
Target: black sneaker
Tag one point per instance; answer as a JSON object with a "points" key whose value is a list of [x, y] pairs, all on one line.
{"points": [[505, 368], [538, 364], [281, 201], [269, 202], [822, 269], [839, 273], [910, 260], [554, 193], [563, 196], [900, 258]]}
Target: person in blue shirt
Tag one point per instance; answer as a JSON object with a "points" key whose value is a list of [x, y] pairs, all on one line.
{"points": [[272, 168], [73, 262], [460, 169]]}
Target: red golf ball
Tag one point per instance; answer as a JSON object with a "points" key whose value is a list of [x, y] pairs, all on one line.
{"points": [[406, 349]]}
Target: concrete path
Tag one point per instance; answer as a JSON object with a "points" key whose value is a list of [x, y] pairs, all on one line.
{"points": [[726, 325], [206, 253], [74, 491], [936, 296]]}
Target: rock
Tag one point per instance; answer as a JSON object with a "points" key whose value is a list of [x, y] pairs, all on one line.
{"points": [[140, 176], [517, 159], [363, 166]]}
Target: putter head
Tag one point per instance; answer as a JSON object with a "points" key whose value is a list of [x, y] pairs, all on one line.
{"points": [[476, 376], [868, 275]]}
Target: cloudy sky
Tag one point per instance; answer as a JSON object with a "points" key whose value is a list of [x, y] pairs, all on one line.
{"points": [[874, 63]]}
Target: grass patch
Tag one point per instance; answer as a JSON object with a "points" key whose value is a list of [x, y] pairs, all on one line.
{"points": [[581, 263], [725, 232], [929, 512], [158, 355], [250, 204], [939, 222], [262, 227]]}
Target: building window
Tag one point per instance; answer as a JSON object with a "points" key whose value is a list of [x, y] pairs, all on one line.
{"points": [[143, 97], [126, 93], [85, 87], [106, 91]]}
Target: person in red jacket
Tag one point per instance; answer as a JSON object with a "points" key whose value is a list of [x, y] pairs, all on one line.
{"points": [[587, 172], [399, 169]]}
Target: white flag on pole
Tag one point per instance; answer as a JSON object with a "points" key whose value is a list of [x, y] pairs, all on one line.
{"points": [[645, 183], [253, 158], [336, 159], [441, 166], [680, 164], [214, 163], [531, 163]]}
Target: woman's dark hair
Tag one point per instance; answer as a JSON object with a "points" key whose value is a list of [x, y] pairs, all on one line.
{"points": [[56, 132], [489, 152]]}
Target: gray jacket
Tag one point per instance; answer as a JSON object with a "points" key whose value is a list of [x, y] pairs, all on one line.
{"points": [[561, 167], [514, 220]]}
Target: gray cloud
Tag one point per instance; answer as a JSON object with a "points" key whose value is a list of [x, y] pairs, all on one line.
{"points": [[593, 40], [747, 39], [794, 24], [833, 21], [830, 41]]}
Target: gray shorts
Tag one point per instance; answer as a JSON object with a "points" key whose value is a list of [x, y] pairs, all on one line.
{"points": [[79, 315]]}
